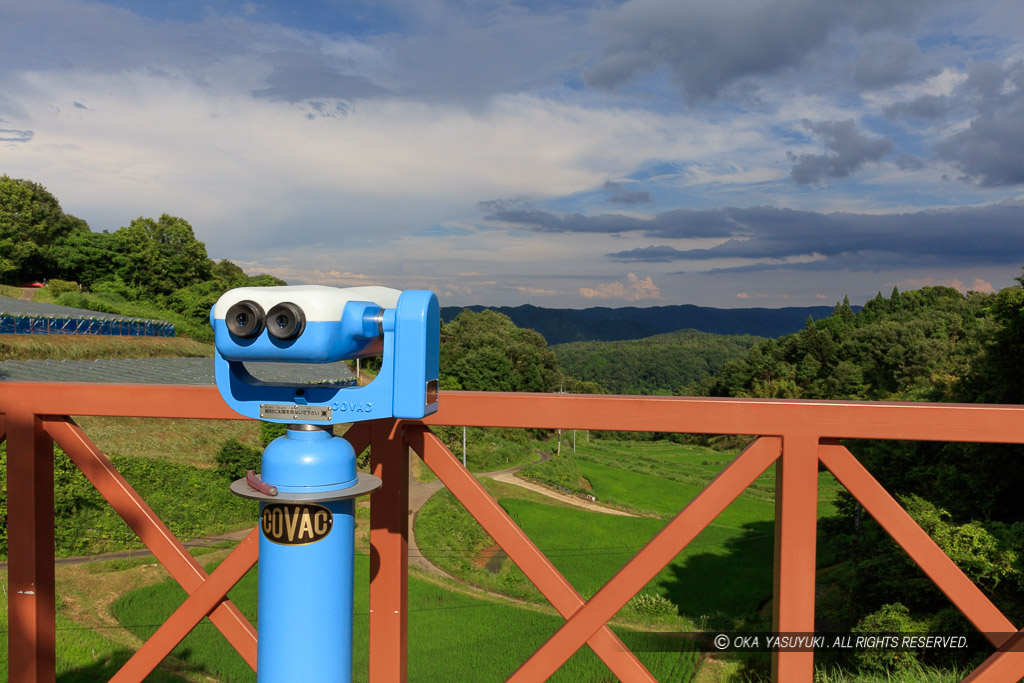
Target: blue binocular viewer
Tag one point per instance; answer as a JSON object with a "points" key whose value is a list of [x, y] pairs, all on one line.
{"points": [[317, 324], [309, 478]]}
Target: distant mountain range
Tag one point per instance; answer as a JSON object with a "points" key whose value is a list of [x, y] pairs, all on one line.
{"points": [[561, 325]]}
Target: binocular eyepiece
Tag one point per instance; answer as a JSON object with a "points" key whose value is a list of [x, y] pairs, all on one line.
{"points": [[317, 324], [284, 321]]}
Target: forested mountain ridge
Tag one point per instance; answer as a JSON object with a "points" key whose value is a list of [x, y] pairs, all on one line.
{"points": [[673, 363], [564, 325], [915, 345], [932, 344]]}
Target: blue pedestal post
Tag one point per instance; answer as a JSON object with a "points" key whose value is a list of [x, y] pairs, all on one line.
{"points": [[307, 533]]}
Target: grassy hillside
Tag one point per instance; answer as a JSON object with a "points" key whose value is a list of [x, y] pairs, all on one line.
{"points": [[665, 363], [91, 347]]}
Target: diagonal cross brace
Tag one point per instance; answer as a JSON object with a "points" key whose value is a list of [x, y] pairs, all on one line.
{"points": [[1006, 665], [668, 543], [521, 550], [946, 575], [150, 529], [204, 600], [535, 565]]}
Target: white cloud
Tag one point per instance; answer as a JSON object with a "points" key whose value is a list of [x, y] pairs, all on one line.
{"points": [[153, 143], [978, 285], [363, 155], [633, 289]]}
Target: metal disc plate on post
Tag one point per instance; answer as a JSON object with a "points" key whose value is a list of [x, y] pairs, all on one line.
{"points": [[367, 483]]}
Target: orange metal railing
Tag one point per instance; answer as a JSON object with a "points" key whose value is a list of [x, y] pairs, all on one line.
{"points": [[794, 435]]}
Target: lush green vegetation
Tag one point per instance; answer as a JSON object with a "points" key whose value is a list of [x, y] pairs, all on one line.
{"points": [[562, 473], [932, 344], [487, 352], [190, 442], [11, 292], [912, 346], [664, 364], [452, 635], [192, 502], [489, 450], [730, 560]]}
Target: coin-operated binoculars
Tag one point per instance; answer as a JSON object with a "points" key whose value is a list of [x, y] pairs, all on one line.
{"points": [[309, 480]]}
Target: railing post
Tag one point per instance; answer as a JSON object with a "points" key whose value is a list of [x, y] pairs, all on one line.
{"points": [[389, 554], [31, 611], [796, 514]]}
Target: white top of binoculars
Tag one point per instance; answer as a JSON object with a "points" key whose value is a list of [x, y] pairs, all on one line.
{"points": [[319, 303]]}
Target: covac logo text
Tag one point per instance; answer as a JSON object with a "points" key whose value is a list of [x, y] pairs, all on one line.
{"points": [[295, 523]]}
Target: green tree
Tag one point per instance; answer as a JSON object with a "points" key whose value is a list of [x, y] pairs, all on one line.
{"points": [[32, 227], [88, 257], [161, 256], [196, 300], [999, 370], [486, 352]]}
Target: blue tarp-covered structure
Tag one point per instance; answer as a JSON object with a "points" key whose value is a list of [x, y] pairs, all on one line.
{"points": [[18, 316]]}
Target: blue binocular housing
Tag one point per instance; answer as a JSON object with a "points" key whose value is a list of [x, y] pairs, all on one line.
{"points": [[316, 324]]}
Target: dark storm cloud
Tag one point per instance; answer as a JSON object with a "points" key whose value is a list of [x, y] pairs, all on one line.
{"points": [[652, 254], [990, 151], [908, 162], [925, 107], [712, 46], [619, 194], [677, 223], [299, 77], [887, 61], [848, 150], [992, 234]]}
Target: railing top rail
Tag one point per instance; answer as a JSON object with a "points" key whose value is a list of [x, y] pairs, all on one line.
{"points": [[827, 419]]}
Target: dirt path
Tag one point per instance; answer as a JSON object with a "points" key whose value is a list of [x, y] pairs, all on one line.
{"points": [[28, 293], [143, 552], [420, 493], [511, 478]]}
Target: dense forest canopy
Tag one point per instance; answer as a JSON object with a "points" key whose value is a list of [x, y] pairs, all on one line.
{"points": [[486, 352], [933, 344], [913, 345], [667, 364]]}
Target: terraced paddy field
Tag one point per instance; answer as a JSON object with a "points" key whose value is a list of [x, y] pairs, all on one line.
{"points": [[453, 635], [722, 580], [726, 571]]}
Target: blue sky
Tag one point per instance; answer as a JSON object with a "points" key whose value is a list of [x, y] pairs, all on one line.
{"points": [[569, 154]]}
